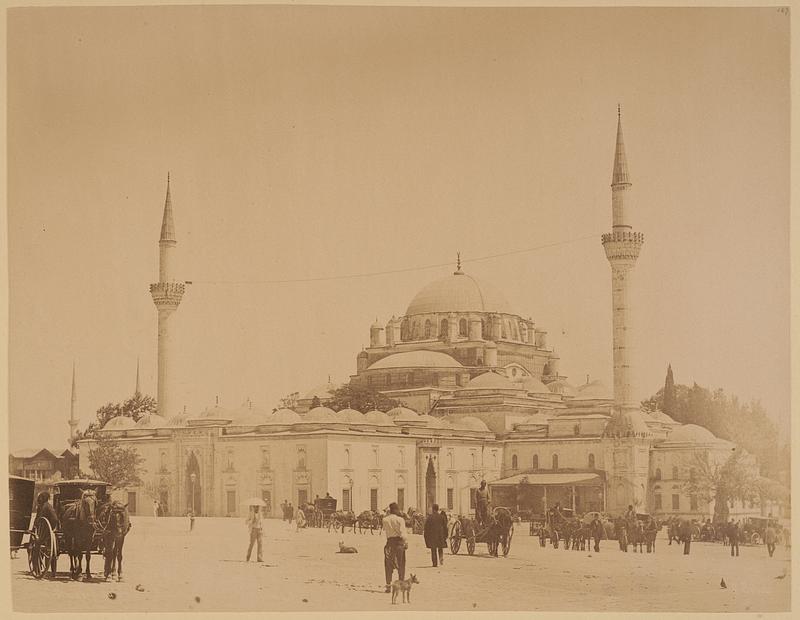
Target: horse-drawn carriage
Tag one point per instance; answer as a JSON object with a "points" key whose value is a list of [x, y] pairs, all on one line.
{"points": [[87, 521], [324, 508], [20, 505], [496, 533]]}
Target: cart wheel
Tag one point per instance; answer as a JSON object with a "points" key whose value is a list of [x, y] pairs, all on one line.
{"points": [[42, 549], [756, 538], [455, 537], [471, 545], [507, 541]]}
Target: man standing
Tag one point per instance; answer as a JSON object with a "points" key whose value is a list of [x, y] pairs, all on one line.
{"points": [[254, 525], [45, 509], [686, 535], [770, 538], [435, 533], [733, 537], [155, 507], [482, 504], [284, 509], [394, 553], [597, 531]]}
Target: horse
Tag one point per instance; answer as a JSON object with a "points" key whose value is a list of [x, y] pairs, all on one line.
{"points": [[117, 524], [78, 523], [500, 524], [636, 533]]}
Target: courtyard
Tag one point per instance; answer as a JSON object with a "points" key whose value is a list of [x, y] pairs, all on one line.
{"points": [[167, 568]]}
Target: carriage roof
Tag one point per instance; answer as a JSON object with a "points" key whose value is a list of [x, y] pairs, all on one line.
{"points": [[83, 483]]}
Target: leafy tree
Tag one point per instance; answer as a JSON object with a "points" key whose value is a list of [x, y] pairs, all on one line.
{"points": [[315, 402], [135, 407], [119, 466], [289, 401], [361, 398], [722, 483]]}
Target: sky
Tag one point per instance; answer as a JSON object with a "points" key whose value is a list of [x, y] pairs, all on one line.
{"points": [[313, 142]]}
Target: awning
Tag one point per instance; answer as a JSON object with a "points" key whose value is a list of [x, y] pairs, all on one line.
{"points": [[562, 479]]}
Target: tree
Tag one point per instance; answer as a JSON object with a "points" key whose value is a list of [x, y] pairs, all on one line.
{"points": [[360, 398], [135, 407], [289, 401], [732, 480], [668, 406], [119, 466]]}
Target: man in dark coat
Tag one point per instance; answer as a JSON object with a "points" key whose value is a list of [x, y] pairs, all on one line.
{"points": [[685, 532], [597, 531], [45, 509], [733, 537], [435, 533]]}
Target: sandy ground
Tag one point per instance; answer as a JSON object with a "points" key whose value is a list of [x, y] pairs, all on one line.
{"points": [[205, 571]]}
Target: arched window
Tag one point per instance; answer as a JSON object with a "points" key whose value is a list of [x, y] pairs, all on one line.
{"points": [[591, 461], [301, 458], [452, 459], [462, 327], [415, 331], [658, 473], [514, 330], [503, 332], [404, 330], [428, 330], [484, 330], [347, 457], [535, 463], [443, 329], [555, 461], [674, 473], [514, 462], [402, 457]]}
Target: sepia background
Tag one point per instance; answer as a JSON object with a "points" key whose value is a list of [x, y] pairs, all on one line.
{"points": [[313, 142]]}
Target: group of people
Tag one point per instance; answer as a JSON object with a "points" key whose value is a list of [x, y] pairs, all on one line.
{"points": [[159, 509]]}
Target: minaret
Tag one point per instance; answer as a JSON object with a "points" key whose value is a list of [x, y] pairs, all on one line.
{"points": [[167, 294], [73, 405], [622, 247], [138, 387]]}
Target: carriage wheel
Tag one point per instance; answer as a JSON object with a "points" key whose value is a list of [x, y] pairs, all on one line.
{"points": [[42, 550], [455, 538], [471, 545], [756, 538], [507, 541]]}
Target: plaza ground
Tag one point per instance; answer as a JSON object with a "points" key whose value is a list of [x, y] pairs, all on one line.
{"points": [[205, 571]]}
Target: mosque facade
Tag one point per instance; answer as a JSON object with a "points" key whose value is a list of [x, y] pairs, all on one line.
{"points": [[483, 399]]}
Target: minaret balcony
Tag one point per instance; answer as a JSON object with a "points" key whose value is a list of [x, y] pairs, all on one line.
{"points": [[623, 245], [167, 293]]}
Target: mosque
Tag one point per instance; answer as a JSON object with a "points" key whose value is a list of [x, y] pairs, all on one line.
{"points": [[483, 399]]}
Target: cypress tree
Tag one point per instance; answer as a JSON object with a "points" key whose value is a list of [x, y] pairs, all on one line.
{"points": [[669, 394]]}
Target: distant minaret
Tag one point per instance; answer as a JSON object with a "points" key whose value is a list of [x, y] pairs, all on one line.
{"points": [[138, 387], [622, 247], [167, 294], [73, 419]]}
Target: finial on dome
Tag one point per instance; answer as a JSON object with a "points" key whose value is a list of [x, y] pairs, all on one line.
{"points": [[619, 111], [458, 271], [217, 399]]}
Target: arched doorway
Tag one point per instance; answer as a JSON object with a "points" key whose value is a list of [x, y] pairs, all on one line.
{"points": [[430, 486], [193, 485]]}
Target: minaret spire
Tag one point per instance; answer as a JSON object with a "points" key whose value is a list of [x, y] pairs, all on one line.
{"points": [[167, 294], [138, 387], [73, 420]]}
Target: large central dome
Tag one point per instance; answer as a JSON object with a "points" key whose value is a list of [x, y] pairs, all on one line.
{"points": [[458, 292]]}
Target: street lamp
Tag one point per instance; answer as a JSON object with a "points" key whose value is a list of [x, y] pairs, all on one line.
{"points": [[193, 477]]}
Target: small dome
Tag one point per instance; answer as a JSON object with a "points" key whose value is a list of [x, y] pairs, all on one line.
{"points": [[458, 292], [284, 416], [378, 418], [320, 414], [119, 423], [662, 417], [471, 424], [491, 381], [350, 416], [178, 420], [428, 420], [692, 433], [151, 420], [594, 390], [215, 413], [533, 385], [403, 414], [322, 392], [560, 386], [416, 359]]}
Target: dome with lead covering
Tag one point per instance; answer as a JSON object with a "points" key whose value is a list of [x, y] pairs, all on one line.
{"points": [[151, 420], [320, 414], [284, 416], [559, 386], [403, 414], [594, 390], [695, 435], [350, 416], [119, 423], [377, 418], [533, 385], [491, 381], [458, 292], [470, 423], [416, 359]]}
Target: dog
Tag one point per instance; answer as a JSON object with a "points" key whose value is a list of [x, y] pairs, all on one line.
{"points": [[343, 549], [403, 586]]}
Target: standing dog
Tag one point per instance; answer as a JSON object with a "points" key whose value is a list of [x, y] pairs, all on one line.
{"points": [[403, 586]]}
